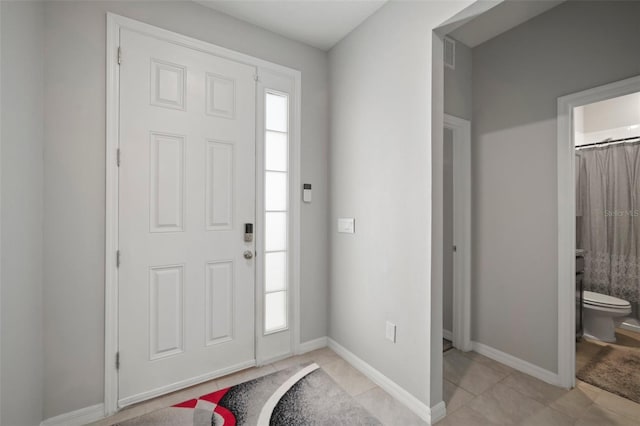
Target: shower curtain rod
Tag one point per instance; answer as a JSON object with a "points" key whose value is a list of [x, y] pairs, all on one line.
{"points": [[608, 141]]}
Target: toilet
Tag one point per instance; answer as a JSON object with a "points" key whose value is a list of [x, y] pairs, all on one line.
{"points": [[602, 314]]}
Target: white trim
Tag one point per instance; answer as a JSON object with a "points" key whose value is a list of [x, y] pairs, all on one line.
{"points": [[270, 81], [144, 396], [429, 415], [461, 231], [111, 219], [312, 345], [295, 197], [447, 335], [517, 363], [438, 412], [1, 114], [114, 24], [77, 418], [630, 327], [192, 43], [566, 217]]}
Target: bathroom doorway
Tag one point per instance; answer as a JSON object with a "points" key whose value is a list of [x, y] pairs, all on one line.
{"points": [[599, 243], [607, 146], [456, 234]]}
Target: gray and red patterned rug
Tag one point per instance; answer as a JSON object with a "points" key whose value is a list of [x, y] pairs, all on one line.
{"points": [[302, 395]]}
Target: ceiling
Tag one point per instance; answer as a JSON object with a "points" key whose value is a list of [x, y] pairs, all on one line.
{"points": [[315, 22], [323, 23], [501, 18]]}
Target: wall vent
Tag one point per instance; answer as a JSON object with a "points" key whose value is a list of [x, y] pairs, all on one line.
{"points": [[450, 53]]}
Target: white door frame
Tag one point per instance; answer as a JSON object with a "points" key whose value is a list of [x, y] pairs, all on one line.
{"points": [[0, 215], [567, 219], [114, 24], [461, 230]]}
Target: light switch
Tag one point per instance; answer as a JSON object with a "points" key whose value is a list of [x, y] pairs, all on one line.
{"points": [[391, 332], [306, 193], [346, 225]]}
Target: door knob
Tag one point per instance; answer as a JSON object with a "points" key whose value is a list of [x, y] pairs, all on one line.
{"points": [[248, 254]]}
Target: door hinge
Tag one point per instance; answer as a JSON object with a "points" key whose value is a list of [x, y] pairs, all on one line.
{"points": [[117, 258], [117, 360], [118, 157], [256, 77], [455, 249], [119, 55]]}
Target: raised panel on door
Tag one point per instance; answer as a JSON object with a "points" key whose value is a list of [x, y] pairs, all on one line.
{"points": [[219, 302], [167, 159], [221, 96], [219, 185], [166, 320], [168, 84]]}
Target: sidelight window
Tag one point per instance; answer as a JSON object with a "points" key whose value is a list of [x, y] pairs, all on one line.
{"points": [[276, 213]]}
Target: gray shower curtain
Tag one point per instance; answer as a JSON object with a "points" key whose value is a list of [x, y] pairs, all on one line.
{"points": [[608, 218]]}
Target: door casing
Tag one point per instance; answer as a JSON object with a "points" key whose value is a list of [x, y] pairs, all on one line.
{"points": [[461, 230], [114, 24]]}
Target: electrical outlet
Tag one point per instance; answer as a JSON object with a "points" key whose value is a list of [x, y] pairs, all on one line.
{"points": [[391, 332]]}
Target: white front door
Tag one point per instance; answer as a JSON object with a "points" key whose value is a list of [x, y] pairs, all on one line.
{"points": [[187, 188]]}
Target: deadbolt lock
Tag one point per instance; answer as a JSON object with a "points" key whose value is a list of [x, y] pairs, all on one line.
{"points": [[248, 232]]}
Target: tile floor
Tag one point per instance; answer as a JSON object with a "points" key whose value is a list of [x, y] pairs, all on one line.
{"points": [[477, 391]]}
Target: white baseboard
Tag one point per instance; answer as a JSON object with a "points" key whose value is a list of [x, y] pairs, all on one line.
{"points": [[312, 345], [77, 418], [447, 335], [517, 363], [438, 412], [426, 413], [632, 325]]}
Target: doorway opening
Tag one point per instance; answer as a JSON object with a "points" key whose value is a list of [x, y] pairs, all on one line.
{"points": [[596, 198], [606, 135], [456, 234]]}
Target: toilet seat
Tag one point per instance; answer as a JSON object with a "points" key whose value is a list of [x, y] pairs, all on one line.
{"points": [[598, 300]]}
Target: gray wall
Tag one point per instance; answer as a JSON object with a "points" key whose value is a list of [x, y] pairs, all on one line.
{"points": [[457, 84], [381, 174], [517, 78], [21, 201], [75, 34]]}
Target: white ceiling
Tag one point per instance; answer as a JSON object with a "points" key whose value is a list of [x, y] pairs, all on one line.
{"points": [[501, 18], [318, 23]]}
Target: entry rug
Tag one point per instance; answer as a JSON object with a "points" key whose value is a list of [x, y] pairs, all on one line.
{"points": [[615, 370], [292, 397]]}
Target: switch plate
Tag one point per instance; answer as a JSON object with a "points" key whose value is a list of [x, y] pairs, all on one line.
{"points": [[306, 193], [346, 225], [391, 332]]}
